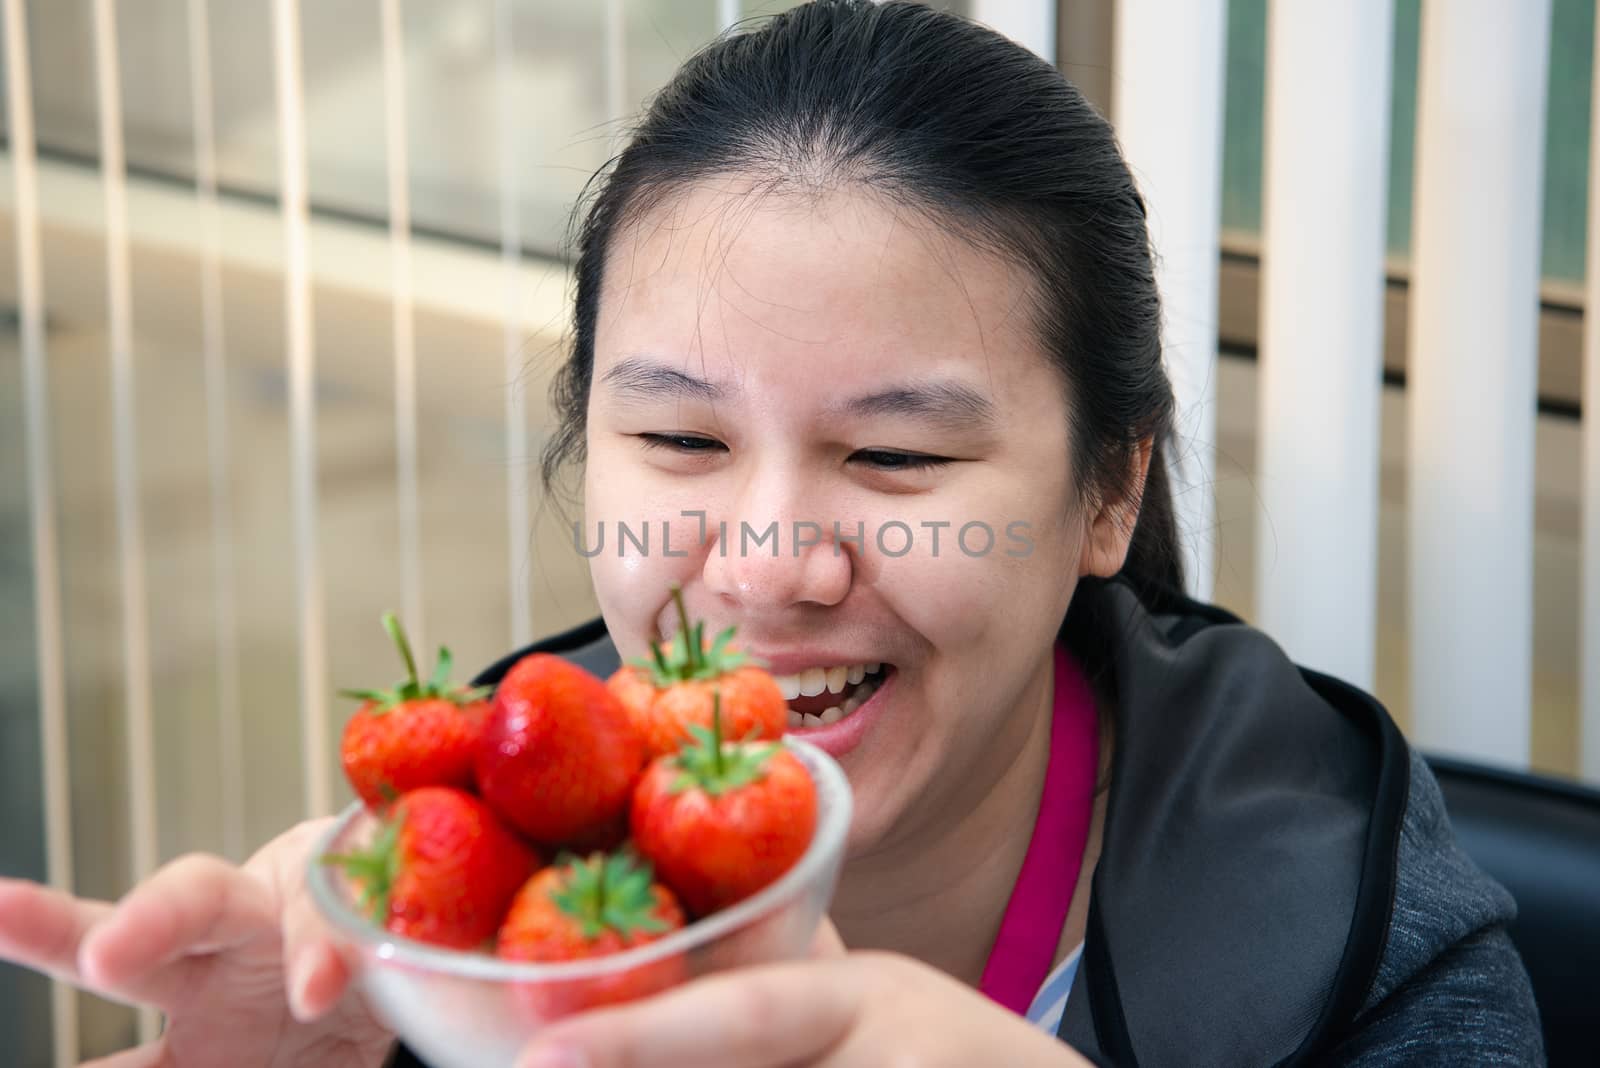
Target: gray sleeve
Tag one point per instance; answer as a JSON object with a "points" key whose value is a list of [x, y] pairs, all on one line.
{"points": [[1472, 1005], [1450, 987]]}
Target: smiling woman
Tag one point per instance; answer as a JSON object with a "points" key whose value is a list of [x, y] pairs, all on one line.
{"points": [[872, 267]]}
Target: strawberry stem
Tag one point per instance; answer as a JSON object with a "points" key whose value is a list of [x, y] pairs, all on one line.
{"points": [[398, 635], [716, 732], [412, 688], [686, 656], [706, 762], [690, 636]]}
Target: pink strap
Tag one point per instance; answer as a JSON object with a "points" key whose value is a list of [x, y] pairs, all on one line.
{"points": [[1020, 961]]}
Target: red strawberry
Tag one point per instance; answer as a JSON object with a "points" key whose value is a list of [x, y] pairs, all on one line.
{"points": [[578, 909], [559, 758], [671, 692], [417, 734], [443, 869], [722, 820]]}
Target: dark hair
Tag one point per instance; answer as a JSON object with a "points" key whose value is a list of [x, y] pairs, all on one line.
{"points": [[941, 114]]}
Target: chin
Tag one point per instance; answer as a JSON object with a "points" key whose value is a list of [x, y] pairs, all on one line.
{"points": [[862, 840]]}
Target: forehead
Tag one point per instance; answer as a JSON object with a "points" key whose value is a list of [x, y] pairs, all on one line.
{"points": [[738, 278]]}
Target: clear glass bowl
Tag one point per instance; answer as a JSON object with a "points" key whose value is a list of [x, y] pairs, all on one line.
{"points": [[471, 1010]]}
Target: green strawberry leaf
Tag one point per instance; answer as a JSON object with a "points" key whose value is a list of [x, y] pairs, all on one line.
{"points": [[441, 670], [687, 656], [708, 763], [608, 893], [374, 869], [439, 687]]}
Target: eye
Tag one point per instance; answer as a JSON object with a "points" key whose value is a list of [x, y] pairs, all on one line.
{"points": [[690, 443], [888, 460]]}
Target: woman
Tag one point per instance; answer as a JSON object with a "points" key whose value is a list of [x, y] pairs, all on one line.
{"points": [[867, 336]]}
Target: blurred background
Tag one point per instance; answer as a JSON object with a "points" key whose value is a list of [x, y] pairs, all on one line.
{"points": [[282, 286]]}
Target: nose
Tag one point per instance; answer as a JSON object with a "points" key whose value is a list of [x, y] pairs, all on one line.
{"points": [[770, 558]]}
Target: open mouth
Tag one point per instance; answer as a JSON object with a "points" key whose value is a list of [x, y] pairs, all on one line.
{"points": [[822, 695]]}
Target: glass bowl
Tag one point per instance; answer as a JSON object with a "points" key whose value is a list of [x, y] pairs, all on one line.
{"points": [[460, 1009]]}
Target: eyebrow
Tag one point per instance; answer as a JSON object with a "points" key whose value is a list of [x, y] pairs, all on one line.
{"points": [[947, 405], [950, 406], [642, 379]]}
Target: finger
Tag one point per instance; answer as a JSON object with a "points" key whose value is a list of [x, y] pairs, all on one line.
{"points": [[827, 942], [317, 972], [150, 1055], [42, 929], [196, 905], [764, 1017], [318, 975]]}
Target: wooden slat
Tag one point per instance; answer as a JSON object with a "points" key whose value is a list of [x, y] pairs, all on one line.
{"points": [[42, 531], [1167, 107], [397, 167], [519, 510], [1031, 23], [301, 357], [1560, 320], [1472, 375], [1322, 332], [1589, 623], [230, 723], [125, 465]]}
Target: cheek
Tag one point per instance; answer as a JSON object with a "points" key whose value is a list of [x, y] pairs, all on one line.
{"points": [[982, 622], [1006, 578], [626, 534]]}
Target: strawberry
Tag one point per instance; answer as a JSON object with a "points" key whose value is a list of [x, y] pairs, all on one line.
{"points": [[443, 869], [722, 820], [671, 692], [558, 759], [583, 908], [416, 734]]}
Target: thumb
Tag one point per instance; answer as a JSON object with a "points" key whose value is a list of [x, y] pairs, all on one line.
{"points": [[827, 943]]}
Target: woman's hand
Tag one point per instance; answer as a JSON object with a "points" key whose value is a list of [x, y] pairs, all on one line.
{"points": [[236, 958], [837, 1011]]}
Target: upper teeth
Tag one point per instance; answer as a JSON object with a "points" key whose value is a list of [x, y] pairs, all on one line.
{"points": [[813, 681], [803, 721]]}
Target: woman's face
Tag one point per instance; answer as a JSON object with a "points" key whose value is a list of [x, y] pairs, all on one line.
{"points": [[768, 365]]}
